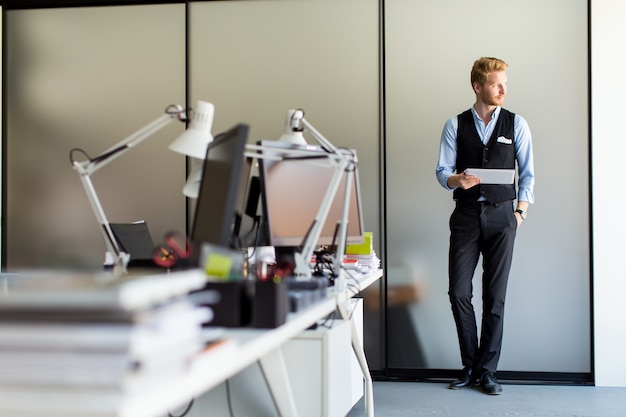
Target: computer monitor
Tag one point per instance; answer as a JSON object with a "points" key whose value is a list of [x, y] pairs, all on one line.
{"points": [[220, 199], [293, 190]]}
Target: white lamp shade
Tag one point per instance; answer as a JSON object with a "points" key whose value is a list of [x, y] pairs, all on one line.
{"points": [[292, 134], [293, 137], [193, 141]]}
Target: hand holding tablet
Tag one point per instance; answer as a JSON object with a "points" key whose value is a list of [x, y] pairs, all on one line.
{"points": [[492, 176]]}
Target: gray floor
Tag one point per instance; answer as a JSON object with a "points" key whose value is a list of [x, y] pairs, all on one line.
{"points": [[399, 399]]}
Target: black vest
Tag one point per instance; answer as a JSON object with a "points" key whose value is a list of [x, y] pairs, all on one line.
{"points": [[471, 153]]}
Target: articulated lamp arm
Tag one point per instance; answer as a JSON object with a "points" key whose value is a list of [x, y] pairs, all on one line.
{"points": [[343, 163], [88, 167]]}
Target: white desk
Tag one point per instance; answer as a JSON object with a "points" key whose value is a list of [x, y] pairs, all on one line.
{"points": [[253, 345]]}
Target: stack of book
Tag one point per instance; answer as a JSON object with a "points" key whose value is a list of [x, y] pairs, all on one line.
{"points": [[78, 333], [363, 263], [363, 255]]}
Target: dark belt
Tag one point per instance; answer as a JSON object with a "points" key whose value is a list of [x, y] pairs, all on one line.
{"points": [[471, 204]]}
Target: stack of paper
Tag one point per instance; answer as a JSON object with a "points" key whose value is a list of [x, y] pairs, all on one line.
{"points": [[65, 332], [367, 262], [363, 253]]}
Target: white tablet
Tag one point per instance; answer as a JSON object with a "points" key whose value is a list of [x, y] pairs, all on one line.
{"points": [[493, 176]]}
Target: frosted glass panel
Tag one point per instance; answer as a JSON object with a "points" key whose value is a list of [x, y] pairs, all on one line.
{"points": [[87, 78], [256, 59], [429, 49]]}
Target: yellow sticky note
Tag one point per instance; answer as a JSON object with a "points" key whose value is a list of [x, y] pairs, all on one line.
{"points": [[364, 248], [218, 266]]}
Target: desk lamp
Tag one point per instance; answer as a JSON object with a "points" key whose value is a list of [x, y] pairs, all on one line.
{"points": [[193, 143], [343, 163], [195, 140]]}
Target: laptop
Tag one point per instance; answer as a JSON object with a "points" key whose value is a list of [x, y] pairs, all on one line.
{"points": [[135, 239]]}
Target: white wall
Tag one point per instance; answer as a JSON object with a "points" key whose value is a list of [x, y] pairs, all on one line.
{"points": [[609, 200]]}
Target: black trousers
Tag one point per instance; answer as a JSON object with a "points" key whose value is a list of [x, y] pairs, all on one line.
{"points": [[475, 229]]}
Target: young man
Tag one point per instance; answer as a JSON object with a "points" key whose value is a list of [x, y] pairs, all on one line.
{"points": [[486, 218]]}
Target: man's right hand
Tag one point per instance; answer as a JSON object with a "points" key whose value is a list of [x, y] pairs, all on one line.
{"points": [[463, 181]]}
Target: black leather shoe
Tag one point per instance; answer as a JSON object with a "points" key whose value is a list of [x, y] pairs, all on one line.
{"points": [[490, 384], [468, 378]]}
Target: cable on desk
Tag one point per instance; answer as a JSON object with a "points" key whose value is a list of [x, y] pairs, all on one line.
{"points": [[229, 398], [186, 410], [353, 283], [353, 287]]}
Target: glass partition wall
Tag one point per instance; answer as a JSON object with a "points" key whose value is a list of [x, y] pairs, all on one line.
{"points": [[256, 60], [427, 80], [87, 78], [378, 76]]}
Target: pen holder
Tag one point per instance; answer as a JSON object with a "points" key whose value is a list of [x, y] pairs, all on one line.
{"points": [[270, 304], [229, 300]]}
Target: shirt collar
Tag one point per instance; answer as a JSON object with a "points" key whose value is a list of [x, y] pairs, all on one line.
{"points": [[494, 116]]}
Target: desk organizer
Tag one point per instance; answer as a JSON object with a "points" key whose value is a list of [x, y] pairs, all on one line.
{"points": [[229, 300], [304, 293], [270, 304]]}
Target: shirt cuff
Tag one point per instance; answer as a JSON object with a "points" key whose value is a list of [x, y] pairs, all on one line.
{"points": [[526, 195]]}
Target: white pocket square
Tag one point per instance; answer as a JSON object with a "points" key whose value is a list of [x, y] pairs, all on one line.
{"points": [[502, 139]]}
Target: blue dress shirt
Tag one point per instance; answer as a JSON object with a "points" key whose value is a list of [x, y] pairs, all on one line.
{"points": [[446, 165]]}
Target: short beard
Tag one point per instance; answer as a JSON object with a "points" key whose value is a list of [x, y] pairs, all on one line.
{"points": [[495, 101]]}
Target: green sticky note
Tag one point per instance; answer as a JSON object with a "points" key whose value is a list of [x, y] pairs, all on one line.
{"points": [[218, 265]]}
